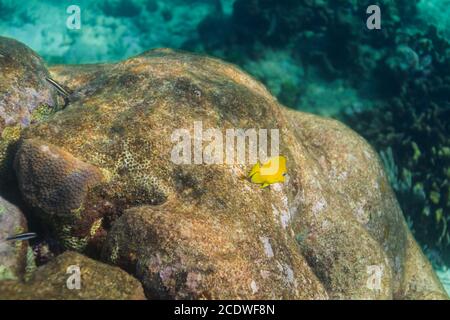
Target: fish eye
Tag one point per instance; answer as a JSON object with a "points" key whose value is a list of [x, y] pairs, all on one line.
{"points": [[285, 174]]}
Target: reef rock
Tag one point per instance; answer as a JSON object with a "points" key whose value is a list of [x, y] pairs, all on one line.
{"points": [[53, 281], [333, 230], [54, 182], [25, 96], [12, 253], [23, 85]]}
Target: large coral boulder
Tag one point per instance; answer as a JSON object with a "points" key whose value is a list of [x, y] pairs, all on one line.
{"points": [[58, 280], [332, 230]]}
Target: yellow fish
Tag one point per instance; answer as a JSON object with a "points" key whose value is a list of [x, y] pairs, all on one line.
{"points": [[272, 171]]}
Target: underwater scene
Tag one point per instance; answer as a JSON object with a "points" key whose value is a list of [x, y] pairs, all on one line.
{"points": [[225, 149]]}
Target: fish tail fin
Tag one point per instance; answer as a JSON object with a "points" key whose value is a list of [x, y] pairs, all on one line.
{"points": [[255, 169]]}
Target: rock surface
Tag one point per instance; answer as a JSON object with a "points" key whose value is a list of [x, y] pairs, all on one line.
{"points": [[333, 230], [23, 85], [185, 252], [55, 183], [98, 281], [24, 95], [12, 253]]}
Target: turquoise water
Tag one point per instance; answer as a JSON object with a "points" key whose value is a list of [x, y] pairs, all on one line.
{"points": [[110, 30], [444, 276], [114, 30], [381, 84]]}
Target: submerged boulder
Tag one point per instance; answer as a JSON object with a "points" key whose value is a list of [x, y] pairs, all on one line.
{"points": [[186, 252], [23, 85], [332, 230], [25, 96], [13, 254], [55, 183], [53, 281]]}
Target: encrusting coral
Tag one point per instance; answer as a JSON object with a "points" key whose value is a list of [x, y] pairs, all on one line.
{"points": [[98, 176], [402, 72], [200, 230], [24, 91]]}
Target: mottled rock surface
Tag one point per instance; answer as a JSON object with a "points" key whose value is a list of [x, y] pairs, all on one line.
{"points": [[23, 85], [25, 95], [12, 253], [333, 230], [98, 281], [185, 252], [55, 184]]}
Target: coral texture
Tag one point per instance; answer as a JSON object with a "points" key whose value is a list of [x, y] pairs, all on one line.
{"points": [[183, 229], [23, 89], [97, 281], [12, 253]]}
